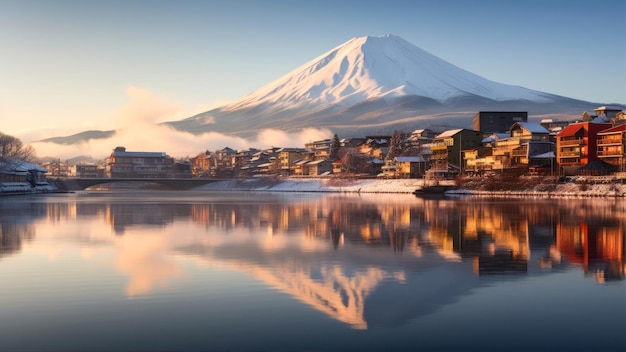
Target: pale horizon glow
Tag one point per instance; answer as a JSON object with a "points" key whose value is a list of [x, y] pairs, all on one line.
{"points": [[69, 66]]}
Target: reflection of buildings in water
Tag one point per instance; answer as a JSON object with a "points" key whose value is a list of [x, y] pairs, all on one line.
{"points": [[495, 237], [348, 220], [598, 245], [13, 235], [120, 216], [16, 225]]}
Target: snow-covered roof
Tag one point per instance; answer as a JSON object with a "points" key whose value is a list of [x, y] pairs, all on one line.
{"points": [[293, 150], [316, 162], [449, 133], [601, 119], [301, 162], [612, 108], [496, 136], [547, 155], [531, 127], [18, 165], [408, 159]]}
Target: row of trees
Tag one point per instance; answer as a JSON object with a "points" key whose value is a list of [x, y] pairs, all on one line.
{"points": [[397, 146]]}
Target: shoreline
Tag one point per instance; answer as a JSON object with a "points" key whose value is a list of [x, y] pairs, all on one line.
{"points": [[387, 186], [408, 186]]}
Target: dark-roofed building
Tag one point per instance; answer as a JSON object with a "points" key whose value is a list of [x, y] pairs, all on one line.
{"points": [[447, 149], [497, 121], [123, 164]]}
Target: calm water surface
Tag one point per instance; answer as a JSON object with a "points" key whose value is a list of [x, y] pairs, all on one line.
{"points": [[227, 271]]}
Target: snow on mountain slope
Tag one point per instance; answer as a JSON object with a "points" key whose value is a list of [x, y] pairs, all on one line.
{"points": [[375, 67]]}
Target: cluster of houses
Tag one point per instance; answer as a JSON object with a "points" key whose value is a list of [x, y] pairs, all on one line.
{"points": [[499, 141], [17, 175]]}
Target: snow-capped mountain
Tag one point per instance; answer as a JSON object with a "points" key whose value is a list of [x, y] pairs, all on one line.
{"points": [[375, 84], [375, 67]]}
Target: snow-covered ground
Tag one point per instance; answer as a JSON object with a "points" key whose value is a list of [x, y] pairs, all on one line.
{"points": [[25, 187], [317, 185], [405, 186], [372, 186]]}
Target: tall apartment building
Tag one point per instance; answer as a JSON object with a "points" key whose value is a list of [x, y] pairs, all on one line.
{"points": [[612, 147], [576, 146]]}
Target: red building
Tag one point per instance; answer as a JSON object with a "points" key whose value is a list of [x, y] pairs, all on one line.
{"points": [[576, 146], [612, 146]]}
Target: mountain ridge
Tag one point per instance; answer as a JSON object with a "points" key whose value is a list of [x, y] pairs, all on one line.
{"points": [[375, 85], [378, 79]]}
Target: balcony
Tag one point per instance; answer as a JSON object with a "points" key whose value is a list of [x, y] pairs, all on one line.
{"points": [[577, 141], [609, 141], [568, 164], [610, 153], [438, 147], [510, 142]]}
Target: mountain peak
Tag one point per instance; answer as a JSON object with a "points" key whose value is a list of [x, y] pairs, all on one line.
{"points": [[375, 67], [373, 84]]}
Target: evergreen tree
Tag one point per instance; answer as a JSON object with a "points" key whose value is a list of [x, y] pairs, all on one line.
{"points": [[395, 145], [334, 148]]}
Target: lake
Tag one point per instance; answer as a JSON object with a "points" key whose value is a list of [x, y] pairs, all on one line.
{"points": [[235, 271]]}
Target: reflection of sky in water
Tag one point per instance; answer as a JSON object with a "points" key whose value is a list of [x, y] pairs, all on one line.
{"points": [[267, 272]]}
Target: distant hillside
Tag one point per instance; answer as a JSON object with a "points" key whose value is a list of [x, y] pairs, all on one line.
{"points": [[79, 137]]}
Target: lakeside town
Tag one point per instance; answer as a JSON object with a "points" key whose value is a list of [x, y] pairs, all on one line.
{"points": [[500, 151]]}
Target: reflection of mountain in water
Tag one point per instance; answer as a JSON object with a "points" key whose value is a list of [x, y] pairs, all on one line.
{"points": [[340, 282], [365, 262]]}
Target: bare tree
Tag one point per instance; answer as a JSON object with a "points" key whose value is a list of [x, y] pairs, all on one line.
{"points": [[11, 147], [354, 162]]}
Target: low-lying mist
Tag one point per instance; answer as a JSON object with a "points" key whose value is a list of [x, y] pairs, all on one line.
{"points": [[137, 128]]}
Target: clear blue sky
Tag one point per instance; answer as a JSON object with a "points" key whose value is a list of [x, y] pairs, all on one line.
{"points": [[68, 66]]}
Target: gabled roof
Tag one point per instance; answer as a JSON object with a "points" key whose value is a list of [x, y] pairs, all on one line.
{"points": [[317, 162], [19, 165], [227, 150], [139, 154], [531, 127], [301, 162], [293, 150], [619, 128], [571, 130], [495, 136], [449, 133]]}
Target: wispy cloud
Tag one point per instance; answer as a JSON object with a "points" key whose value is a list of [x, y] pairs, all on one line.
{"points": [[137, 128]]}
